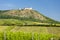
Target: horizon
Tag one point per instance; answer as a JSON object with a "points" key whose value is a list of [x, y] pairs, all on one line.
{"points": [[49, 8]]}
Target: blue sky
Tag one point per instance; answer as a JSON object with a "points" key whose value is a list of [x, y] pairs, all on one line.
{"points": [[49, 8]]}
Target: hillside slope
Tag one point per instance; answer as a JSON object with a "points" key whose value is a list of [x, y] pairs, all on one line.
{"points": [[24, 15]]}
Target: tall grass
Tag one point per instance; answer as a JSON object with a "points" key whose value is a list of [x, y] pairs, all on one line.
{"points": [[25, 36]]}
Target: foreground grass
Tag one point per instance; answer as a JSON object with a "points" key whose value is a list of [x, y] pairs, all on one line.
{"points": [[29, 33], [25, 36]]}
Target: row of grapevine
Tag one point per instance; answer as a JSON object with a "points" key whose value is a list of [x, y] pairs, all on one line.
{"points": [[25, 36], [1, 36], [9, 28]]}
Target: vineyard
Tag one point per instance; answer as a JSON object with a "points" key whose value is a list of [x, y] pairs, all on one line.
{"points": [[29, 33], [24, 36]]}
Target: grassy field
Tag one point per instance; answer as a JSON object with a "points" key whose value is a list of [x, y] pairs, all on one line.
{"points": [[29, 33], [15, 22]]}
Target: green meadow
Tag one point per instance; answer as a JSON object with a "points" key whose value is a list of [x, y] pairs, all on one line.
{"points": [[29, 33]]}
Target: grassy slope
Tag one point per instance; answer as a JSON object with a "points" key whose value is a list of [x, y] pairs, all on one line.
{"points": [[12, 22], [45, 30], [16, 22]]}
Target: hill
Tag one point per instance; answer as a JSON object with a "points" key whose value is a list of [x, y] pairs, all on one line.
{"points": [[24, 17]]}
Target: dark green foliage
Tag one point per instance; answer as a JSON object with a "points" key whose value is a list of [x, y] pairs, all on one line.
{"points": [[2, 11]]}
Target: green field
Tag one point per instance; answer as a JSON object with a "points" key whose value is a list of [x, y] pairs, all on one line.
{"points": [[16, 24], [29, 33]]}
